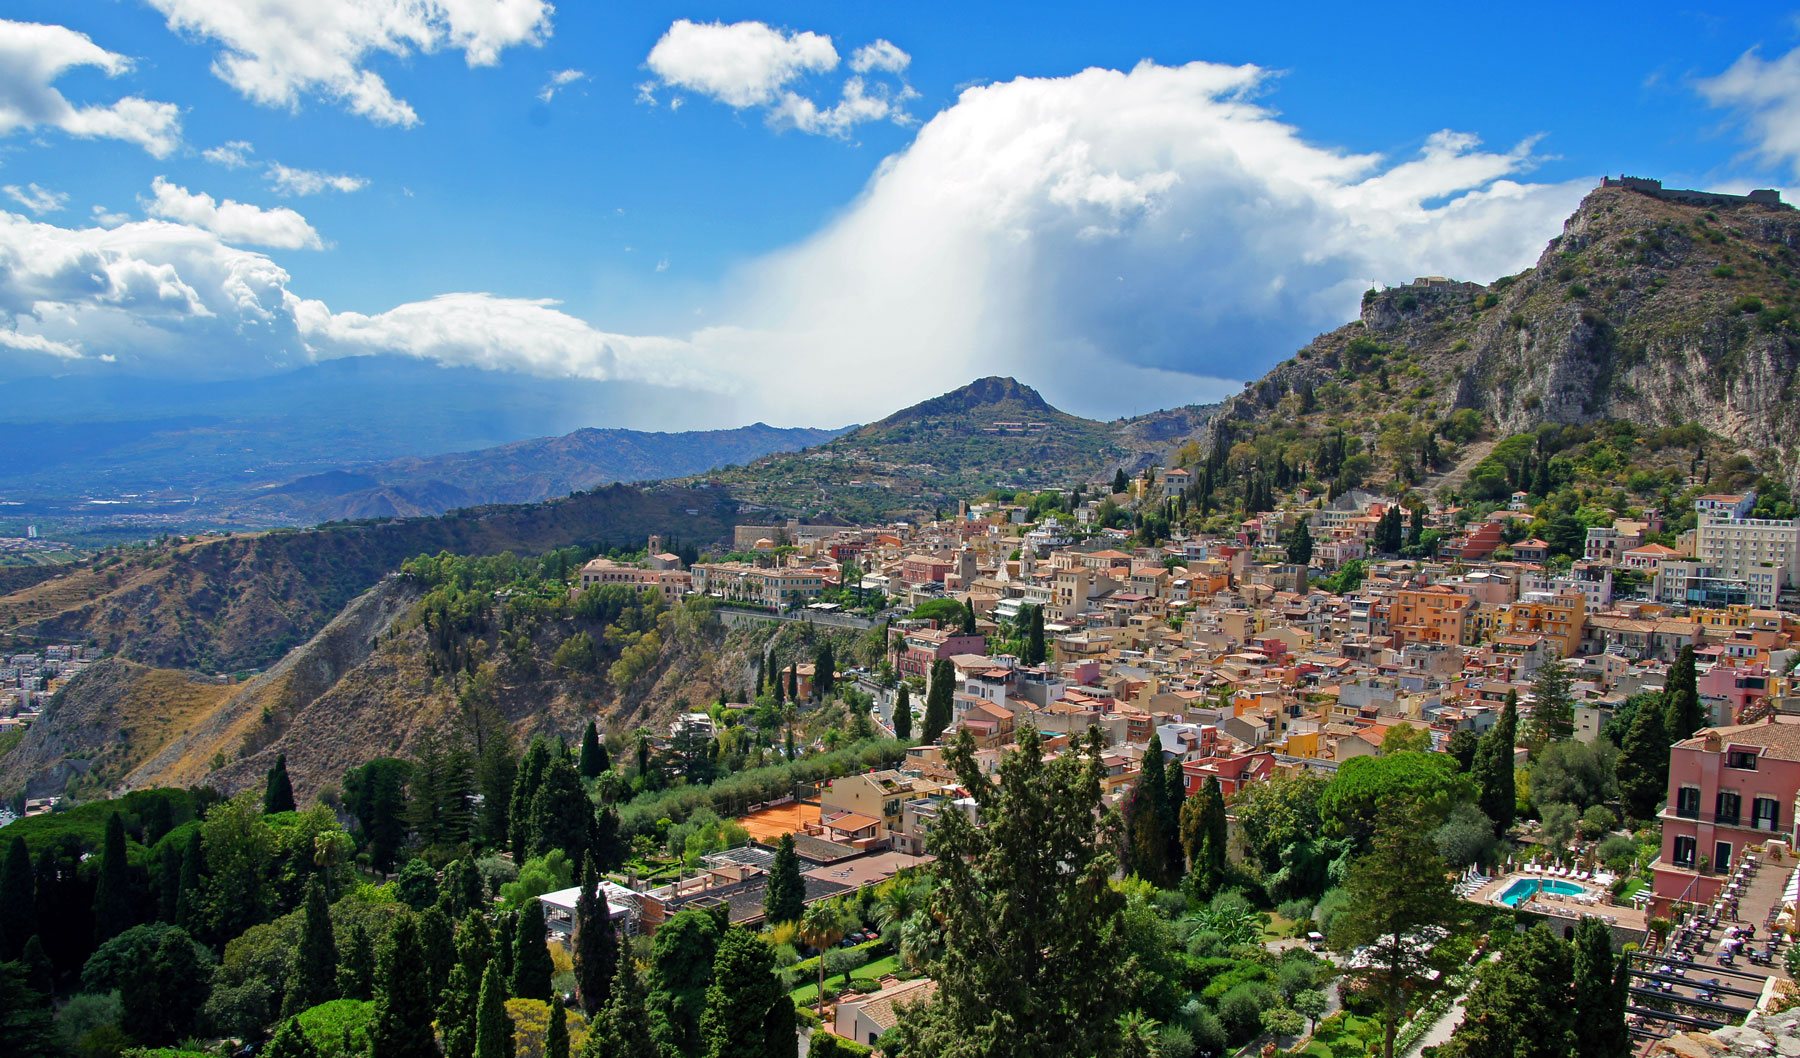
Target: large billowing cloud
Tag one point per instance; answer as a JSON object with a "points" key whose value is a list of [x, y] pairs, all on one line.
{"points": [[1123, 240], [276, 51], [1767, 93], [232, 221], [34, 56]]}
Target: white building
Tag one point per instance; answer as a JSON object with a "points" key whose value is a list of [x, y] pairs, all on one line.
{"points": [[1763, 553]]}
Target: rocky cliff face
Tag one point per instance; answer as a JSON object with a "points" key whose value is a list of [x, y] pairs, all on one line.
{"points": [[1644, 310]]}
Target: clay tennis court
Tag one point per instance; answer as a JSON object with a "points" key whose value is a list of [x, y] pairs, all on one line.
{"points": [[785, 819]]}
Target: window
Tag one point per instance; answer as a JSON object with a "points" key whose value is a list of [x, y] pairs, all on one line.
{"points": [[1741, 759], [1721, 856], [1729, 807], [1765, 814], [1684, 851], [1687, 802]]}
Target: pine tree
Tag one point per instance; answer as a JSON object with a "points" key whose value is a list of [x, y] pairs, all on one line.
{"points": [[1553, 708], [1174, 799], [290, 1041], [401, 1023], [1600, 1030], [593, 754], [314, 978], [474, 948], [113, 913], [531, 965], [1120, 483], [939, 701], [493, 1028], [18, 901], [623, 1030], [785, 893], [496, 771], [596, 943], [1145, 812], [278, 792], [743, 991], [903, 713], [356, 970], [1492, 768], [1643, 764], [780, 685], [506, 929], [456, 1014], [437, 945], [1681, 699], [1520, 1007]]}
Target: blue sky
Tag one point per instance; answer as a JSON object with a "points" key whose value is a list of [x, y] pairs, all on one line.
{"points": [[1139, 235]]}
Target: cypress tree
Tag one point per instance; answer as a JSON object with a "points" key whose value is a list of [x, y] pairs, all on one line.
{"points": [[356, 970], [1203, 829], [1035, 651], [18, 901], [525, 788], [1147, 844], [112, 893], [531, 965], [1681, 699], [596, 947], [39, 973], [1174, 800], [556, 1037], [474, 950], [560, 813], [290, 1041], [793, 681], [623, 1029], [401, 1024], [460, 890], [278, 792], [315, 966], [824, 670], [505, 928], [593, 754], [967, 615], [437, 944], [1492, 768], [784, 897], [456, 1015], [939, 701], [1600, 1030], [780, 685], [493, 1028], [903, 713]]}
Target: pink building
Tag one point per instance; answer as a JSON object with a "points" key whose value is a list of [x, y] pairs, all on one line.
{"points": [[1727, 689], [1729, 788], [927, 645]]}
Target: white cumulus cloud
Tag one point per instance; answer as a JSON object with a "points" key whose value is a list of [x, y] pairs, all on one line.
{"points": [[33, 56], [289, 181], [237, 222], [881, 55], [559, 79], [740, 64], [274, 52], [1767, 93], [37, 199]]}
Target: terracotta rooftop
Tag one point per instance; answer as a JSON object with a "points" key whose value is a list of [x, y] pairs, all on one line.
{"points": [[1779, 740]]}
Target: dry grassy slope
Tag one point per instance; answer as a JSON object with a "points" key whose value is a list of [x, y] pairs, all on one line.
{"points": [[1637, 311], [114, 716], [226, 604]]}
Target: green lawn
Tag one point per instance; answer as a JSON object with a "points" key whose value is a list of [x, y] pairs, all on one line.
{"points": [[809, 994]]}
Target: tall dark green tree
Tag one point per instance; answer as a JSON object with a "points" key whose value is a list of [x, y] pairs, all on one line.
{"points": [[1520, 1007], [456, 1014], [163, 999], [739, 1001], [474, 948], [1015, 977], [1397, 893], [940, 701], [193, 866], [560, 813], [506, 930], [903, 713], [278, 792], [525, 787], [18, 900], [966, 618], [1036, 653], [793, 682], [680, 974], [1300, 544], [593, 754], [623, 1030], [596, 943], [441, 796], [1493, 769], [1120, 483], [401, 1023], [824, 670], [356, 968], [1643, 764], [314, 977], [114, 902], [493, 1027], [784, 896], [531, 965], [1146, 812], [496, 769], [1681, 698], [437, 945], [1601, 994], [1203, 837], [376, 794], [556, 1036]]}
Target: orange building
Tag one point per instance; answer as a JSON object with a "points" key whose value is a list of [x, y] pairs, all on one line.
{"points": [[1429, 615]]}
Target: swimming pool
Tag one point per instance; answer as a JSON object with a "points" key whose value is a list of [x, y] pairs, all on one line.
{"points": [[1524, 887]]}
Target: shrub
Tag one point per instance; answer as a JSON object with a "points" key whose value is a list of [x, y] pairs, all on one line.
{"points": [[340, 1028], [1747, 303], [827, 1045], [1724, 271]]}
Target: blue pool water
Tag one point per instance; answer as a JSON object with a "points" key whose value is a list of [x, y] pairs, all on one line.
{"points": [[1524, 887]]}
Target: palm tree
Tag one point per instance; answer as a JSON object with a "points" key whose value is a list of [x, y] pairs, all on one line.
{"points": [[921, 941], [823, 925], [896, 901]]}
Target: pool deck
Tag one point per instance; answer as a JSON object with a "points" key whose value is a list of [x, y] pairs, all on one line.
{"points": [[1626, 916]]}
